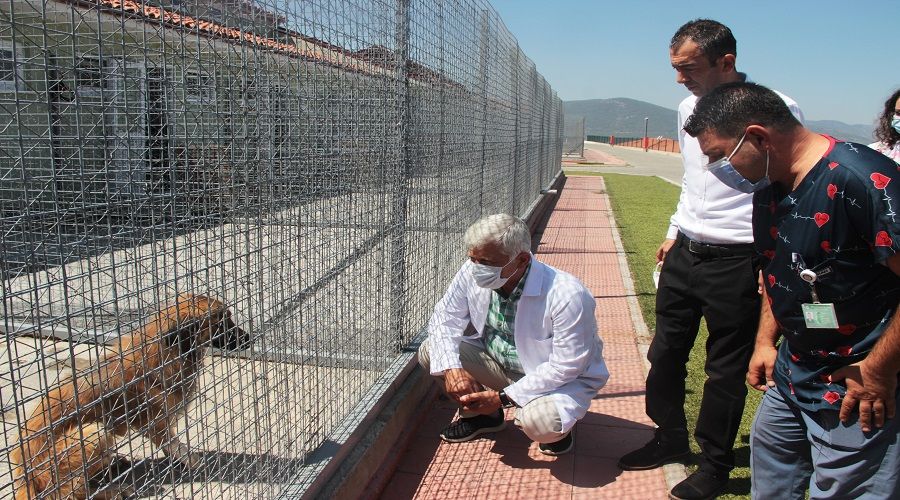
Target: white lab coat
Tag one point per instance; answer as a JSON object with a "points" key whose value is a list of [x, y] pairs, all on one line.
{"points": [[555, 333]]}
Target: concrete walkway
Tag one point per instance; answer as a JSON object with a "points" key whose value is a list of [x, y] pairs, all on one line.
{"points": [[580, 237]]}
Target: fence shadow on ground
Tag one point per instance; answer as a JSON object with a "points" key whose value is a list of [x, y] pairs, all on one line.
{"points": [[152, 477]]}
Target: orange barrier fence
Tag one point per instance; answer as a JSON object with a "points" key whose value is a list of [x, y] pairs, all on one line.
{"points": [[654, 143]]}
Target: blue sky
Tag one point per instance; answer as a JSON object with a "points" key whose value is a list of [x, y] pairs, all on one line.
{"points": [[839, 60]]}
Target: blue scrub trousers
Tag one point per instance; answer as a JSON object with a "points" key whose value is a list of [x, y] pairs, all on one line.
{"points": [[792, 449]]}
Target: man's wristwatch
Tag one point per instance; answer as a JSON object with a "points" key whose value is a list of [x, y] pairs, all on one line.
{"points": [[505, 401]]}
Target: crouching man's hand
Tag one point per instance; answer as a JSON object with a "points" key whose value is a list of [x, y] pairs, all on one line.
{"points": [[485, 402], [458, 383]]}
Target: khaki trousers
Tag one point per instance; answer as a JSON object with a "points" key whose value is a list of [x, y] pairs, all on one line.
{"points": [[539, 419]]}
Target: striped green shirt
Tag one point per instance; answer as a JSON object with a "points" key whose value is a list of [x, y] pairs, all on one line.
{"points": [[499, 329]]}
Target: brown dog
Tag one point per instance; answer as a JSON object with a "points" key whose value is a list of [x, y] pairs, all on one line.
{"points": [[144, 384]]}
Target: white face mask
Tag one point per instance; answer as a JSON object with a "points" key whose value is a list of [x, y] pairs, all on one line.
{"points": [[487, 276], [728, 175]]}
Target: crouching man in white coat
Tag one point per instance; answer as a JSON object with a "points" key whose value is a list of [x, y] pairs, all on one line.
{"points": [[511, 331]]}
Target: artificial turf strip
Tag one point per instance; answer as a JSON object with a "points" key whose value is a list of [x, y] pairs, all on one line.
{"points": [[642, 207]]}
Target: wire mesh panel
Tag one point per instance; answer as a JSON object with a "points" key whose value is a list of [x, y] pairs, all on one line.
{"points": [[573, 142], [221, 221]]}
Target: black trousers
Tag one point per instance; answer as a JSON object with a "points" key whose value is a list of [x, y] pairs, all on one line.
{"points": [[718, 283]]}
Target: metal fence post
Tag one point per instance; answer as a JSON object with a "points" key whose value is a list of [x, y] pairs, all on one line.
{"points": [[442, 129], [482, 92], [399, 200], [545, 133], [561, 116], [646, 138], [517, 158], [542, 160]]}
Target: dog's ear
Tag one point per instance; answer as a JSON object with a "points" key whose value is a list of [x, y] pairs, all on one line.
{"points": [[185, 334]]}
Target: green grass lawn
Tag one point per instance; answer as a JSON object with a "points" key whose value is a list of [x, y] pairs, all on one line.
{"points": [[642, 207]]}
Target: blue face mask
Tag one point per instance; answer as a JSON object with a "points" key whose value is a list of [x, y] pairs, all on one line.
{"points": [[728, 175], [895, 122]]}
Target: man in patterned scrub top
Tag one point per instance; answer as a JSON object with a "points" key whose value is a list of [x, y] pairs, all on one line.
{"points": [[826, 222]]}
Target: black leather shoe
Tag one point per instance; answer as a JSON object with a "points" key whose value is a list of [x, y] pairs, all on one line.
{"points": [[560, 447], [701, 485], [657, 452], [467, 429]]}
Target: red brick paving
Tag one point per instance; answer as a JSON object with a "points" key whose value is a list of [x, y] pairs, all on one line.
{"points": [[578, 238]]}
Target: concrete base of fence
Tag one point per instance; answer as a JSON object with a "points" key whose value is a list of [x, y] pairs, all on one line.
{"points": [[369, 466], [364, 470], [545, 203]]}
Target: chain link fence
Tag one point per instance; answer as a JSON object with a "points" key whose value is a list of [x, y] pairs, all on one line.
{"points": [[310, 165], [573, 136]]}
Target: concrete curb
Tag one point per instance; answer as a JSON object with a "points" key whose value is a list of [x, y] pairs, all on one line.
{"points": [[675, 472], [373, 459]]}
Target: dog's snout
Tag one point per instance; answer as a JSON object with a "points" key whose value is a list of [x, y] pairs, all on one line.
{"points": [[231, 337], [241, 339]]}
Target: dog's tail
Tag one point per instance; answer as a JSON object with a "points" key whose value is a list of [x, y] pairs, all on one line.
{"points": [[25, 491], [80, 455], [23, 486]]}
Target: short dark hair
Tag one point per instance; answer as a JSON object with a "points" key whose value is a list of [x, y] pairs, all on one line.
{"points": [[729, 108], [713, 38], [884, 132]]}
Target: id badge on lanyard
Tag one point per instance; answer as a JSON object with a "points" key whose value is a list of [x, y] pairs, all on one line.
{"points": [[816, 314]]}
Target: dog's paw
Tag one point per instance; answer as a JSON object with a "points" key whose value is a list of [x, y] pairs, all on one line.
{"points": [[192, 460], [114, 492], [182, 453], [125, 492]]}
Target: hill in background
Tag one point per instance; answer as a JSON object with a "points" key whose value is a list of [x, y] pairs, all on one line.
{"points": [[624, 117], [843, 131]]}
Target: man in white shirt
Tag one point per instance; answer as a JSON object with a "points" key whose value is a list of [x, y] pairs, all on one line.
{"points": [[710, 271], [513, 332]]}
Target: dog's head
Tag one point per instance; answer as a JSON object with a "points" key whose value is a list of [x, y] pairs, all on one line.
{"points": [[200, 321]]}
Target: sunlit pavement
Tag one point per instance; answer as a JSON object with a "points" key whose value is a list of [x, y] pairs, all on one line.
{"points": [[603, 158]]}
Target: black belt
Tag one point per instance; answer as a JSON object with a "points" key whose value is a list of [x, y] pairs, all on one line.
{"points": [[706, 250]]}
